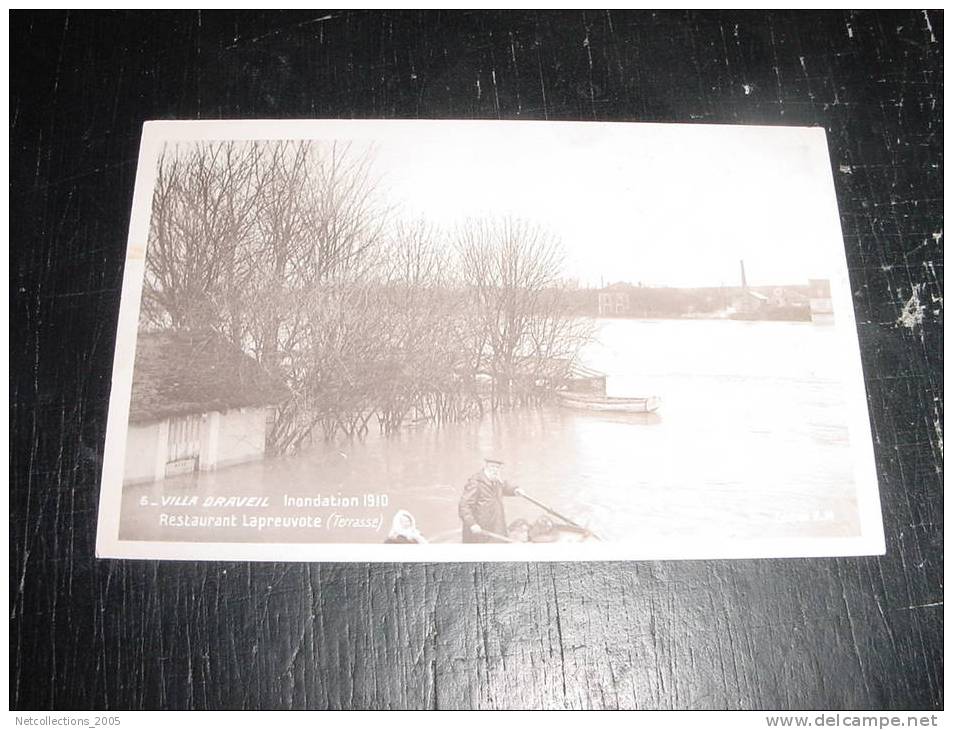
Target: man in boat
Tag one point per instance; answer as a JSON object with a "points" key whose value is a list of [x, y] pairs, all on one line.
{"points": [[481, 505]]}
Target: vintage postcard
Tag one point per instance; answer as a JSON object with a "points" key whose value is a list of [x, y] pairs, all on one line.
{"points": [[467, 340]]}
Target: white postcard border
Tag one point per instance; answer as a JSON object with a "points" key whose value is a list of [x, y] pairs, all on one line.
{"points": [[108, 545]]}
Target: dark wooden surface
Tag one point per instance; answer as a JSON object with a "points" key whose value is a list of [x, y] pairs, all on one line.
{"points": [[795, 634]]}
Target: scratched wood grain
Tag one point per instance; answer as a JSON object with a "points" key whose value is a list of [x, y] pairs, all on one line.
{"points": [[791, 634]]}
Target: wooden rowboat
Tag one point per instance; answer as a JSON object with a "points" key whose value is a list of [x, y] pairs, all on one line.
{"points": [[558, 533], [565, 533], [595, 402]]}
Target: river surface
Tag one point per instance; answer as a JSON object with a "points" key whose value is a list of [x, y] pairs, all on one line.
{"points": [[750, 441]]}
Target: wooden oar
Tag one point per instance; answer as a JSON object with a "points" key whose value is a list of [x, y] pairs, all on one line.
{"points": [[554, 513], [440, 536], [495, 536]]}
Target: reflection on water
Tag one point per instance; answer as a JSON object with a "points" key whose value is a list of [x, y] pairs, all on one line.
{"points": [[750, 441]]}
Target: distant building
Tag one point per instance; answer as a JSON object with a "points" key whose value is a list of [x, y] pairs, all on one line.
{"points": [[747, 302], [750, 302], [819, 297], [197, 404], [775, 303], [614, 301]]}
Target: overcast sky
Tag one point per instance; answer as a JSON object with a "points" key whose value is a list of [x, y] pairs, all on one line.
{"points": [[661, 204]]}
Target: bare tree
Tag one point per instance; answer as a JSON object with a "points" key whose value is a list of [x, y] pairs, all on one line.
{"points": [[203, 210], [324, 228], [519, 323], [420, 343], [244, 237], [282, 248]]}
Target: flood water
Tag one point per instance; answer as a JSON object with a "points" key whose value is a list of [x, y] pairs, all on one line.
{"points": [[750, 441]]}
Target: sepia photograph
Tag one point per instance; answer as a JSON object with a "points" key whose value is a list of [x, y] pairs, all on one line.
{"points": [[477, 359], [486, 341]]}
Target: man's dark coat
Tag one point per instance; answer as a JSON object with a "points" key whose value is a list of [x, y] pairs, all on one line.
{"points": [[482, 504]]}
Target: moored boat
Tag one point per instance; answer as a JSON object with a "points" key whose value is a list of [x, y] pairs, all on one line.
{"points": [[597, 402]]}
